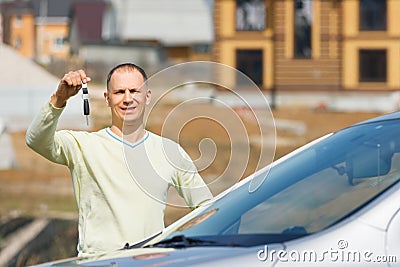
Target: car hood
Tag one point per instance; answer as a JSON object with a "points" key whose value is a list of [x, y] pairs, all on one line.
{"points": [[193, 256]]}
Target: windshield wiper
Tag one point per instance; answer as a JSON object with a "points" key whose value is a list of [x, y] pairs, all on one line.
{"points": [[236, 240], [181, 241]]}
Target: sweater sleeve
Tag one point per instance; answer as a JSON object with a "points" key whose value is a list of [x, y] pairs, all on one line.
{"points": [[41, 135], [189, 183]]}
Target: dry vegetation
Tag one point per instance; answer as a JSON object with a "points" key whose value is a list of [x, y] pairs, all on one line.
{"points": [[38, 186]]}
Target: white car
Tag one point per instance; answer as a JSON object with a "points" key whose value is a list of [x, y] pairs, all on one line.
{"points": [[333, 202]]}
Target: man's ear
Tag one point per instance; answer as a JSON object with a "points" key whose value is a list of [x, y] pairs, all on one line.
{"points": [[148, 96], [106, 99]]}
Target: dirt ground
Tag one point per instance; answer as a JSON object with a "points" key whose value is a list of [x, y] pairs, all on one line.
{"points": [[37, 187]]}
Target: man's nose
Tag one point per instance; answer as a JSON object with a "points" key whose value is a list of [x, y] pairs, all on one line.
{"points": [[128, 96]]}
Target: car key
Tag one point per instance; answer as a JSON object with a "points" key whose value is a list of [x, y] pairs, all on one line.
{"points": [[85, 97]]}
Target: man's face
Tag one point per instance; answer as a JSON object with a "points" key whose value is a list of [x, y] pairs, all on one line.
{"points": [[127, 97]]}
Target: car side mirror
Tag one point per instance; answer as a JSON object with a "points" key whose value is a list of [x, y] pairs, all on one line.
{"points": [[367, 161]]}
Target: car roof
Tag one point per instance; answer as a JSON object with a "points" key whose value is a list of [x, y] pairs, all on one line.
{"points": [[386, 117]]}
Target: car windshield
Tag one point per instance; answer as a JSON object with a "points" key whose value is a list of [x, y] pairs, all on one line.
{"points": [[307, 192]]}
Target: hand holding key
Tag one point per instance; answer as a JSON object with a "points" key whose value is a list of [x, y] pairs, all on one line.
{"points": [[69, 86]]}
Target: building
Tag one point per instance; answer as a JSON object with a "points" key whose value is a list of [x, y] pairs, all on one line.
{"points": [[322, 45], [148, 32], [108, 30], [37, 29], [51, 30], [183, 28], [18, 27]]}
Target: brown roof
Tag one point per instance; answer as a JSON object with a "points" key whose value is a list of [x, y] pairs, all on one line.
{"points": [[16, 7], [88, 16]]}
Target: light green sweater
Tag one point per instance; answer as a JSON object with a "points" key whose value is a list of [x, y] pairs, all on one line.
{"points": [[120, 188]]}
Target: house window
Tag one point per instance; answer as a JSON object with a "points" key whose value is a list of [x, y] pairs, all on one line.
{"points": [[58, 43], [372, 65], [18, 43], [373, 15], [201, 48], [18, 21], [303, 18], [250, 62], [251, 15]]}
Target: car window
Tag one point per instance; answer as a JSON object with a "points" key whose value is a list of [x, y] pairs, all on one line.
{"points": [[315, 202], [310, 190], [346, 171]]}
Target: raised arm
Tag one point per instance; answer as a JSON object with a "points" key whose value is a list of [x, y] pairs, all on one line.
{"points": [[41, 135]]}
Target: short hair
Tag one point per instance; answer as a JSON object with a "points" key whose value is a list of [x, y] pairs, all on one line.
{"points": [[128, 66]]}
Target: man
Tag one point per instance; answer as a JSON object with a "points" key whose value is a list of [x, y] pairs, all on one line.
{"points": [[120, 174]]}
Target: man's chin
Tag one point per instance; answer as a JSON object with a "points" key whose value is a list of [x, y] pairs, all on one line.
{"points": [[130, 119]]}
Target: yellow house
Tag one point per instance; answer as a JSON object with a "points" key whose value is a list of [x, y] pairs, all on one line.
{"points": [[51, 29], [22, 36], [18, 27], [37, 29], [311, 44], [51, 36]]}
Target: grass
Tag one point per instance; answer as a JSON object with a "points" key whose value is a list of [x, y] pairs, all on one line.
{"points": [[34, 203]]}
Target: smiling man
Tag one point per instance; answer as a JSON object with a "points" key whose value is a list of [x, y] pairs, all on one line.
{"points": [[121, 174], [127, 95]]}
